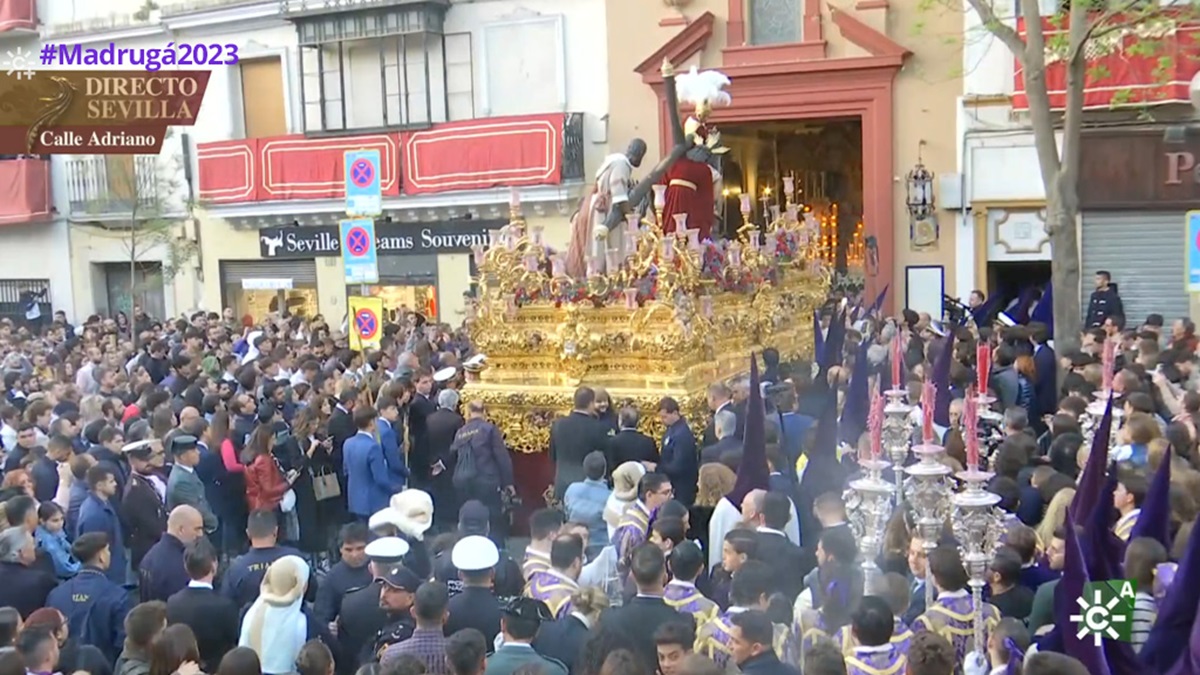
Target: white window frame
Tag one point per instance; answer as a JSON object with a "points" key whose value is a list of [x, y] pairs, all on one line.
{"points": [[286, 56]]}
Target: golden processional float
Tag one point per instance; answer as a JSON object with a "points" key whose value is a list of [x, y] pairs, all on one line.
{"points": [[664, 315]]}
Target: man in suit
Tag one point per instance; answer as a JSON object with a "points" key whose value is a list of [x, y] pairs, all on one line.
{"points": [[214, 619], [162, 571], [389, 427], [725, 426], [184, 487], [342, 429], [719, 398], [680, 459], [420, 459], [368, 480], [917, 564], [573, 437], [773, 547], [629, 444], [440, 429], [641, 617], [519, 623], [1045, 393], [143, 508]]}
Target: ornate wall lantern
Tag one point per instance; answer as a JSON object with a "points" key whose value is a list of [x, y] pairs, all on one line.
{"points": [[919, 183]]}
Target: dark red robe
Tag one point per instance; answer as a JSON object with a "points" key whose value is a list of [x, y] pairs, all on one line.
{"points": [[689, 190]]}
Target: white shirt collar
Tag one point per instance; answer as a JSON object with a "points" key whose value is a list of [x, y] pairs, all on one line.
{"points": [[961, 593], [186, 468], [737, 610], [1130, 516], [681, 583], [361, 432], [587, 623], [877, 649], [534, 553], [770, 530], [200, 584]]}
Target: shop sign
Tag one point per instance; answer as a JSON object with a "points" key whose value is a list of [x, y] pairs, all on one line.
{"points": [[267, 284], [390, 239], [1138, 169]]}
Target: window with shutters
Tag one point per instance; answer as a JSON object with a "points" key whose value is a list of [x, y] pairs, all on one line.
{"points": [[385, 68], [264, 109]]}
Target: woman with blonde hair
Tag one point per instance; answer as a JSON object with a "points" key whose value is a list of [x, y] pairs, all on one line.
{"points": [[563, 639], [625, 484], [1056, 514], [276, 625]]}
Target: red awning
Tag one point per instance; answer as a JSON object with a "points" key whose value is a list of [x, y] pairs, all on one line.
{"points": [[18, 15]]}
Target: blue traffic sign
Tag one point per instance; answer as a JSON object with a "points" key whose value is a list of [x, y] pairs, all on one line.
{"points": [[364, 192], [359, 256], [1193, 251]]}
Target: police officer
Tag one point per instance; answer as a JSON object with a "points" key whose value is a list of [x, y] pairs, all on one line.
{"points": [[94, 606], [353, 571], [397, 593], [473, 520], [361, 616], [475, 606], [244, 577]]}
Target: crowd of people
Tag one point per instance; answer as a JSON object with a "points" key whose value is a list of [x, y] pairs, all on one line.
{"points": [[203, 496]]}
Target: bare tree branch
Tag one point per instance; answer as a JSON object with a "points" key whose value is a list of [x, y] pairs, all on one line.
{"points": [[1003, 32]]}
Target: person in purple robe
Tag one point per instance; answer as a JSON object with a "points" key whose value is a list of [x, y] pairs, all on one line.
{"points": [[872, 625], [894, 589], [556, 584], [749, 591], [952, 614], [544, 525], [654, 490], [686, 563]]}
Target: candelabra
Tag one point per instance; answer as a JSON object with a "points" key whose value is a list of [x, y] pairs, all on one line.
{"points": [[870, 510], [897, 433], [1095, 412], [978, 527], [928, 491]]}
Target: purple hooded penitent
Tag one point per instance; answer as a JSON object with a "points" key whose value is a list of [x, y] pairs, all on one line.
{"points": [[858, 404], [1069, 589], [753, 473], [1155, 518], [1176, 613], [1094, 471]]}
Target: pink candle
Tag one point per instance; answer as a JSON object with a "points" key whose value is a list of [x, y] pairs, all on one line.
{"points": [[514, 198], [875, 425], [668, 249], [631, 298], [983, 366], [746, 203], [897, 358], [1109, 363], [558, 266], [680, 222], [477, 252], [927, 435], [971, 428]]}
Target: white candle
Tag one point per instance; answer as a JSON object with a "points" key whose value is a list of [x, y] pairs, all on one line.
{"points": [[558, 266], [477, 251], [536, 234], [514, 198], [668, 249], [693, 237], [660, 196], [789, 185], [735, 256], [680, 222], [632, 220], [631, 298], [746, 208]]}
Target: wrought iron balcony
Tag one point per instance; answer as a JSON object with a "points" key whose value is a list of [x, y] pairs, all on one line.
{"points": [[311, 7], [113, 187]]}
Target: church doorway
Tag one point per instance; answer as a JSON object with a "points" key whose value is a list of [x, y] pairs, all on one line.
{"points": [[823, 159]]}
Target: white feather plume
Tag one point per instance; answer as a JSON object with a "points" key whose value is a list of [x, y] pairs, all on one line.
{"points": [[696, 87]]}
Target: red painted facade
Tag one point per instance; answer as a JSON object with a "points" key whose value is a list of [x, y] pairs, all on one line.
{"points": [[25, 191], [795, 82], [1120, 73], [472, 155]]}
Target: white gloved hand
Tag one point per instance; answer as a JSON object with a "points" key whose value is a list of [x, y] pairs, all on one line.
{"points": [[975, 664], [601, 232]]}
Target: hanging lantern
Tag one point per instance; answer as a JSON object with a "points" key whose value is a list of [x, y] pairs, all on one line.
{"points": [[919, 183]]}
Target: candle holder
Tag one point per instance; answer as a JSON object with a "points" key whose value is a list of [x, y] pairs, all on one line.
{"points": [[870, 508], [928, 491], [897, 433], [978, 528]]}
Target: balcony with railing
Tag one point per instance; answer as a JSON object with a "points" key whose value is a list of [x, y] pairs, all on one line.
{"points": [[480, 154], [311, 7], [18, 17], [25, 191], [112, 187]]}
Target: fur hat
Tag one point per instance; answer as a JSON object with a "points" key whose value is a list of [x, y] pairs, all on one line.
{"points": [[625, 480], [413, 512], [285, 581]]}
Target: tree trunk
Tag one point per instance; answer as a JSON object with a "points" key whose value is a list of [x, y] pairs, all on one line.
{"points": [[1064, 269]]}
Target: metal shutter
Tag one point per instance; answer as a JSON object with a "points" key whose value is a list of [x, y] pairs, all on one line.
{"points": [[301, 272], [1145, 254]]}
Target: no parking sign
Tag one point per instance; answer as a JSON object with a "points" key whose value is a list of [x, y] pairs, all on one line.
{"points": [[1193, 251], [359, 257], [364, 192], [366, 322]]}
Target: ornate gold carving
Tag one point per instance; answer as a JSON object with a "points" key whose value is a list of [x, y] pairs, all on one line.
{"points": [[702, 312]]}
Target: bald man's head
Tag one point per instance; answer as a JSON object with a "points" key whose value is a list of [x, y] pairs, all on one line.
{"points": [[185, 523], [752, 504], [187, 415]]}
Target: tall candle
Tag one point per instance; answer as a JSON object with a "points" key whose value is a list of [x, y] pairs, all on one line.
{"points": [[875, 425], [660, 196], [558, 266], [927, 397], [983, 366], [1109, 363], [477, 251], [631, 298], [535, 234], [680, 222], [746, 207], [789, 185], [971, 428], [632, 221], [897, 358], [514, 198], [668, 249]]}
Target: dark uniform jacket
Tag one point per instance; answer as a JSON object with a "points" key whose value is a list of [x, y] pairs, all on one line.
{"points": [[359, 620], [213, 618], [144, 516], [638, 619], [340, 580], [24, 588], [680, 462], [571, 439], [508, 582], [562, 640], [95, 609], [162, 573], [245, 574], [1103, 304], [477, 608]]}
